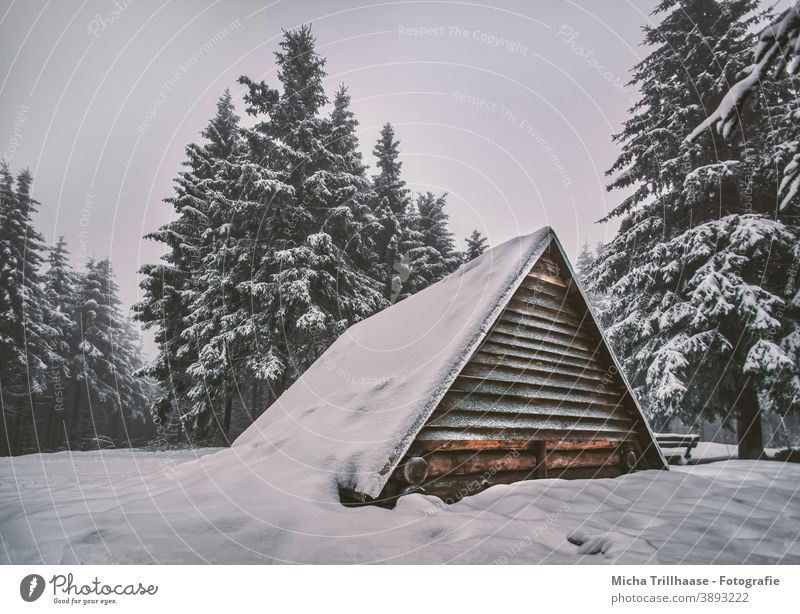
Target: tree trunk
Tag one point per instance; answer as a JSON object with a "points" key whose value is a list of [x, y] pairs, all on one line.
{"points": [[5, 423], [16, 435], [73, 440], [202, 424], [226, 422], [748, 423], [118, 430], [58, 432], [254, 408]]}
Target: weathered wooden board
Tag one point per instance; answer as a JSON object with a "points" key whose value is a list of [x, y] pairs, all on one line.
{"points": [[460, 463], [581, 458], [460, 401]]}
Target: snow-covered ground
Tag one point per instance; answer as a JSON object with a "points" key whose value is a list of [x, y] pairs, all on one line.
{"points": [[231, 507]]}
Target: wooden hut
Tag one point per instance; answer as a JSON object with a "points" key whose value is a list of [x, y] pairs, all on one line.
{"points": [[496, 374], [542, 396]]}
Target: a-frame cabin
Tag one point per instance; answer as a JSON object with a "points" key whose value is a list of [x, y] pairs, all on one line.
{"points": [[497, 373], [541, 397]]}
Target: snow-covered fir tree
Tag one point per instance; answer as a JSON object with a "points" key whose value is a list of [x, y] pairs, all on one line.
{"points": [[476, 245], [350, 216], [61, 289], [584, 261], [305, 289], [697, 273], [429, 244], [219, 368], [108, 393], [25, 337], [174, 288], [393, 219]]}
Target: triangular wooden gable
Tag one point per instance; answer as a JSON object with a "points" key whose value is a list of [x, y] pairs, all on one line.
{"points": [[542, 396]]}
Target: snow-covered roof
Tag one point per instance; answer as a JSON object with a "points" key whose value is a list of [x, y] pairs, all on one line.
{"points": [[357, 409]]}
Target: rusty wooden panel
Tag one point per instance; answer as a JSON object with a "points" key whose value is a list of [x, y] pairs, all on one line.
{"points": [[548, 279], [538, 321], [543, 287], [460, 463], [559, 316], [582, 458], [486, 420], [548, 266], [584, 444], [422, 447], [547, 303]]}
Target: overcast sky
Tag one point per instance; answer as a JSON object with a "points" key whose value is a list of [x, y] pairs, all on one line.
{"points": [[510, 108]]}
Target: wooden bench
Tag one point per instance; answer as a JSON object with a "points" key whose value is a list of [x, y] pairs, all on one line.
{"points": [[678, 440]]}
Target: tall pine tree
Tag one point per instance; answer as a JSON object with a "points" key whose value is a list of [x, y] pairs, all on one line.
{"points": [[431, 251], [61, 289], [304, 289], [25, 337], [694, 273], [172, 288], [393, 220], [108, 393]]}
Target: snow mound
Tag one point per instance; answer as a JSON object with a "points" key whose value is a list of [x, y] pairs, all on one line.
{"points": [[142, 507]]}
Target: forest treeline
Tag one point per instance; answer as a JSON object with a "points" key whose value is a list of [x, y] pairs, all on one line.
{"points": [[281, 237], [69, 355], [280, 240]]}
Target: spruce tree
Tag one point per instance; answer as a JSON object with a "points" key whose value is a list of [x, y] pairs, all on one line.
{"points": [[694, 272], [24, 334], [108, 391], [304, 289], [476, 245], [171, 288], [435, 255], [393, 220], [350, 219], [215, 309], [583, 262], [61, 289]]}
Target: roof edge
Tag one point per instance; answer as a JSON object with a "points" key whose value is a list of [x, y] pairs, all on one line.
{"points": [[617, 364]]}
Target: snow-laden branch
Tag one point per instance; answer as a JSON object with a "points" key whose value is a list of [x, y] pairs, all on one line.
{"points": [[778, 48]]}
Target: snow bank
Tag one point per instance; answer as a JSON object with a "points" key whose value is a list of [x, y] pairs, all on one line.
{"points": [[356, 410], [108, 507]]}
